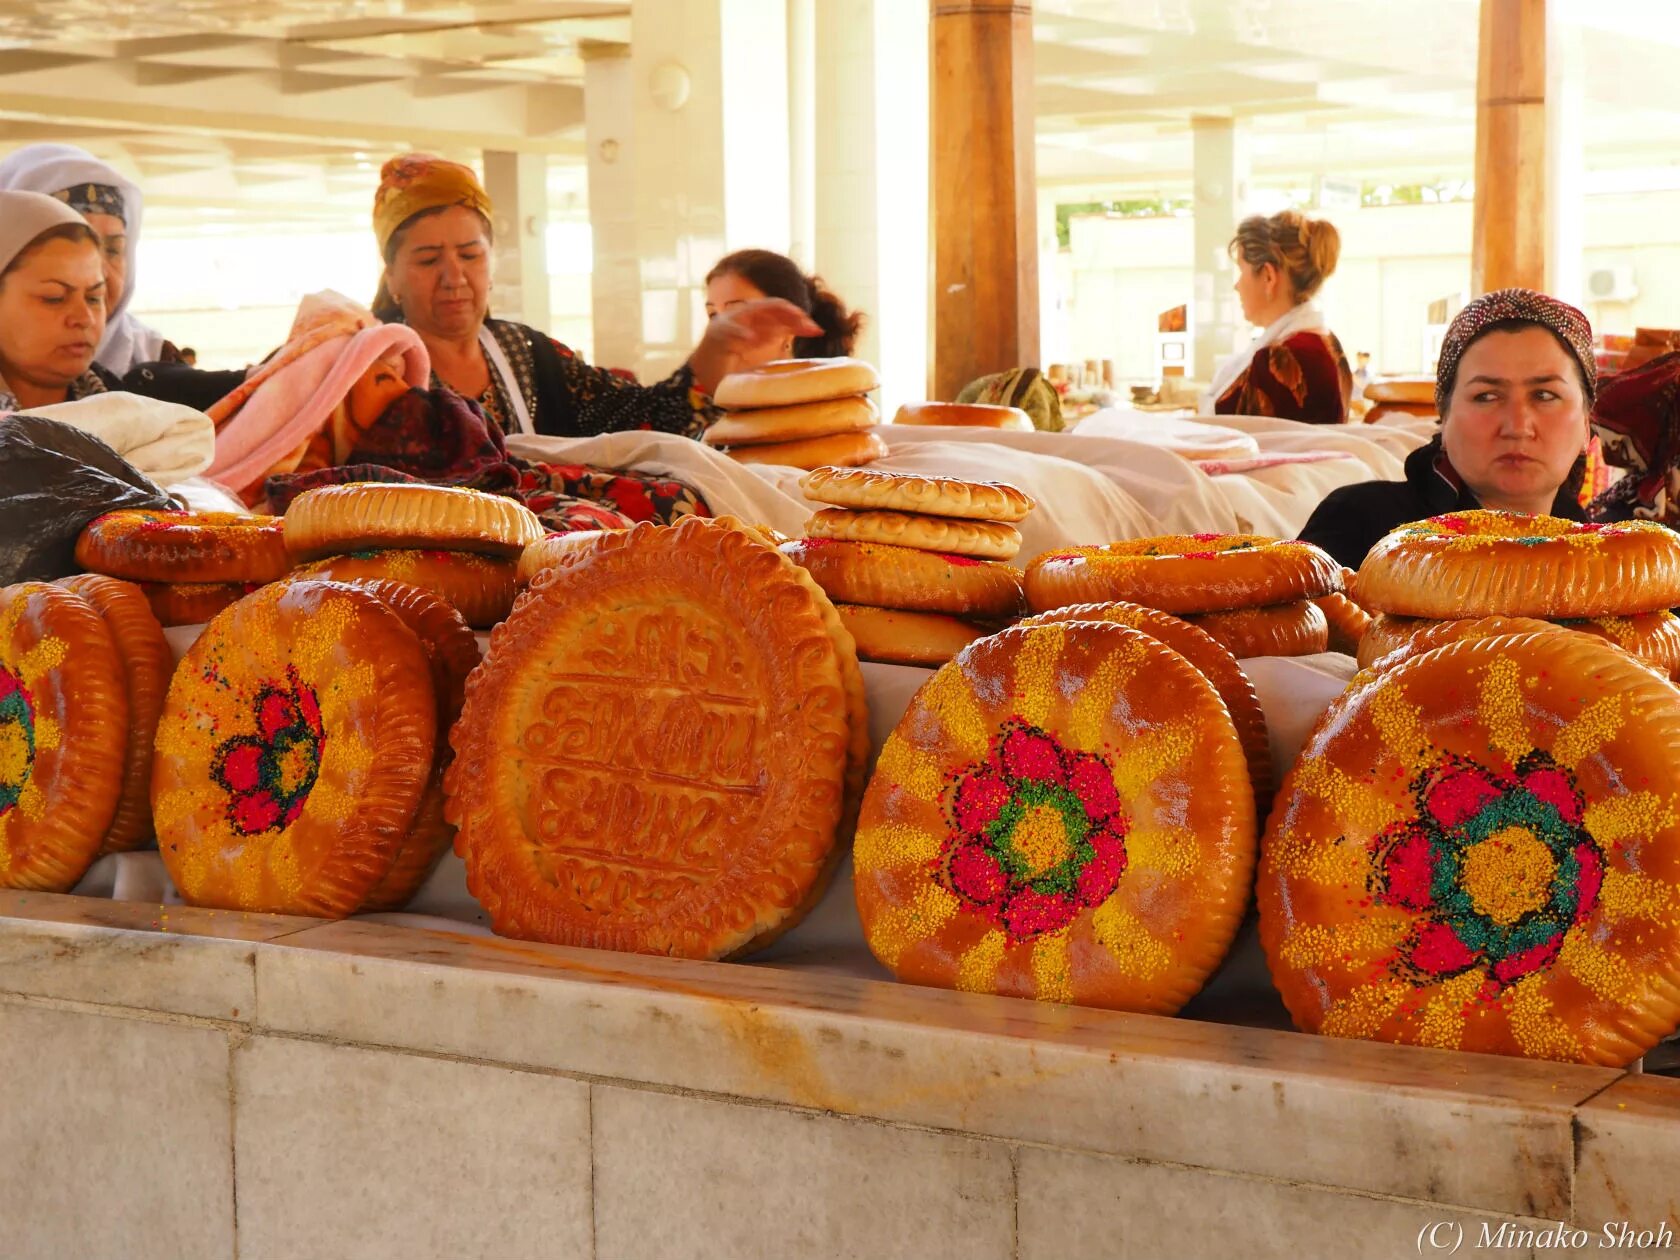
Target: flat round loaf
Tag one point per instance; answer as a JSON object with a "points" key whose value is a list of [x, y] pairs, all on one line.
{"points": [[1479, 849], [451, 651], [844, 449], [1652, 637], [895, 637], [903, 577], [145, 545], [788, 382], [867, 489], [1383, 410], [1294, 629], [1481, 563], [983, 540], [1216, 664], [657, 752], [539, 555], [192, 603], [294, 749], [63, 736], [1184, 573], [147, 665], [965, 415], [370, 515], [787, 424], [1063, 813], [1403, 389], [1347, 621], [481, 588]]}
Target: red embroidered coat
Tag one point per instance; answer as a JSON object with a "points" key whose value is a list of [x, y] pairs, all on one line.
{"points": [[1303, 377]]}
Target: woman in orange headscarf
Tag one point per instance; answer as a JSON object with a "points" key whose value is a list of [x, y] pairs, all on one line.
{"points": [[433, 222]]}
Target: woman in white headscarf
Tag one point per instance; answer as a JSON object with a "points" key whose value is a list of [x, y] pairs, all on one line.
{"points": [[111, 205]]}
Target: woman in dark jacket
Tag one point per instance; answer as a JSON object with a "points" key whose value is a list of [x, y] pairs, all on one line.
{"points": [[1514, 388]]}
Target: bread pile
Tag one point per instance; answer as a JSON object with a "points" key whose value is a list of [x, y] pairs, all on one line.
{"points": [[189, 565], [1474, 574], [801, 413], [1254, 595], [917, 566], [965, 416], [459, 544]]}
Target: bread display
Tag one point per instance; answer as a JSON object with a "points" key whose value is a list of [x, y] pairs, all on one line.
{"points": [[361, 516], [147, 545], [1063, 813], [799, 413]]}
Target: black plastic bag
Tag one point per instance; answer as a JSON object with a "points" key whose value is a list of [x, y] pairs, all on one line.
{"points": [[54, 479]]}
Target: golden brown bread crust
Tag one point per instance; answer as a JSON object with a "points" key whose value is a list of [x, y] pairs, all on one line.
{"points": [[293, 753], [363, 516], [1294, 629], [1179, 573], [1474, 850], [881, 576], [1419, 390], [1216, 664], [787, 424], [848, 449], [893, 636], [481, 588], [539, 555], [868, 489], [965, 415], [1063, 813], [984, 540], [64, 729], [147, 665], [1346, 620], [1652, 637], [192, 603], [789, 382], [657, 753], [1484, 563], [144, 545]]}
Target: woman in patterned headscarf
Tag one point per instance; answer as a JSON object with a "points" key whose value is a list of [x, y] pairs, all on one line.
{"points": [[433, 222], [1514, 388], [111, 205]]}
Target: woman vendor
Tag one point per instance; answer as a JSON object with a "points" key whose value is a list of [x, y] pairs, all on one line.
{"points": [[750, 275], [1514, 387], [52, 303], [111, 205], [433, 222], [1295, 369]]}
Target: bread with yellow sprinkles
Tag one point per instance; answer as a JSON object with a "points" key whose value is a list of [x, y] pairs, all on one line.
{"points": [[481, 588], [1184, 573], [63, 735]]}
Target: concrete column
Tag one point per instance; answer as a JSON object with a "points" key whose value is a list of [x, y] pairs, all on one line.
{"points": [[1566, 163], [710, 154], [518, 188], [609, 131], [872, 181], [802, 131], [1221, 170], [1509, 238]]}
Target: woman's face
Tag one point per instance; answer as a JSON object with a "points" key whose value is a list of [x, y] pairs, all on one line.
{"points": [[441, 274], [726, 292], [52, 314], [1517, 419], [1258, 290], [113, 252]]}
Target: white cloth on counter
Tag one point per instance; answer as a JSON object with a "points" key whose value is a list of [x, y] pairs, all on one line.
{"points": [[164, 440], [1293, 691]]}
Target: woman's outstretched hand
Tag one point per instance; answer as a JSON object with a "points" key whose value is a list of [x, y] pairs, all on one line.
{"points": [[734, 335]]}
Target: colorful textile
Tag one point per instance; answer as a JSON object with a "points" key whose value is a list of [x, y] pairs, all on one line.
{"points": [[412, 182], [94, 199], [1637, 418], [1026, 388], [1302, 377], [1562, 320]]}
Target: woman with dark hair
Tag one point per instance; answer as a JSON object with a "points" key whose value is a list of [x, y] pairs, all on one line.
{"points": [[751, 275], [1295, 369], [52, 303], [433, 222], [1514, 388]]}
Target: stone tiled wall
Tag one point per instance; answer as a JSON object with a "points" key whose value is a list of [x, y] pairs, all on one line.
{"points": [[186, 1083]]}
